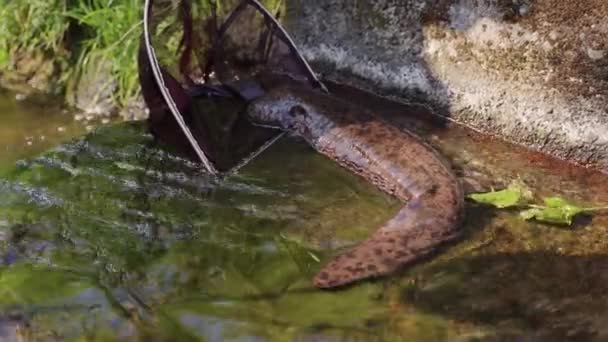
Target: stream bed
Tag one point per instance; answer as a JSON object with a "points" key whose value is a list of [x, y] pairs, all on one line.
{"points": [[105, 237]]}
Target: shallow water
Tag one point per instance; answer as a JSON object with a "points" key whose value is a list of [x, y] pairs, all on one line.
{"points": [[108, 238], [30, 127]]}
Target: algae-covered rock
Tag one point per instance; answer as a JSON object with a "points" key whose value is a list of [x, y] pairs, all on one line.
{"points": [[534, 72]]}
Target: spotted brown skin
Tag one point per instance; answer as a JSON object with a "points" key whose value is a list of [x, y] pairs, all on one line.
{"points": [[396, 161]]}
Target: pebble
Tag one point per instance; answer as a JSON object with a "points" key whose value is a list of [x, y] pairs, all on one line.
{"points": [[20, 97], [89, 128], [60, 129], [105, 121], [595, 54]]}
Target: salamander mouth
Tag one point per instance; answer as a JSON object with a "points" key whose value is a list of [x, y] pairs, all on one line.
{"points": [[266, 125]]}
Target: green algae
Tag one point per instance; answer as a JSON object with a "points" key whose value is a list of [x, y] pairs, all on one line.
{"points": [[123, 217], [27, 285]]}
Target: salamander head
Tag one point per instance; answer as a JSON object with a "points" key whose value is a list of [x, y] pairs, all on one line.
{"points": [[276, 110]]}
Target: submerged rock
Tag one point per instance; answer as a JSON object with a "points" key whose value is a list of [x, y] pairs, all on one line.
{"points": [[534, 72]]}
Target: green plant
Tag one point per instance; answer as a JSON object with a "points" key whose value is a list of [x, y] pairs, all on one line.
{"points": [[106, 34], [111, 29], [37, 24], [555, 210]]}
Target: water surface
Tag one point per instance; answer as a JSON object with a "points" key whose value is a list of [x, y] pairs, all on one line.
{"points": [[106, 237], [31, 126]]}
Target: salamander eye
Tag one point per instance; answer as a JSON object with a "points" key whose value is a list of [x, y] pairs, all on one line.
{"points": [[297, 110]]}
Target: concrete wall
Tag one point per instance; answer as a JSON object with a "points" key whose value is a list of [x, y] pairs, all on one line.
{"points": [[534, 72]]}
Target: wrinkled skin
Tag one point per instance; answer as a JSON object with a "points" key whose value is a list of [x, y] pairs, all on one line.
{"points": [[396, 161]]}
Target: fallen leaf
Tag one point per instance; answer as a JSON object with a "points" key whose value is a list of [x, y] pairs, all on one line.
{"points": [[515, 194], [556, 210]]}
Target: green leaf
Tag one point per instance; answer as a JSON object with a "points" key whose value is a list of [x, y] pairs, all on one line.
{"points": [[558, 202], [556, 210], [548, 215], [529, 214], [515, 194]]}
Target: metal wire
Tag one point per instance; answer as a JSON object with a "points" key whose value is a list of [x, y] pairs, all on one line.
{"points": [[292, 45], [167, 96], [284, 36], [173, 107], [253, 155]]}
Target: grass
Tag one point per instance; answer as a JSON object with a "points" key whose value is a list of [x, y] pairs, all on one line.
{"points": [[111, 30], [106, 29], [31, 25], [83, 33]]}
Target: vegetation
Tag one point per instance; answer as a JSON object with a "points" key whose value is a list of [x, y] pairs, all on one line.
{"points": [[75, 33], [555, 210], [112, 29], [32, 25], [78, 34]]}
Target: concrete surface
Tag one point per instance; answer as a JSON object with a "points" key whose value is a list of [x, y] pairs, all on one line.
{"points": [[533, 72]]}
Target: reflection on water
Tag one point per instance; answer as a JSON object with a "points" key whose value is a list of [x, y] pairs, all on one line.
{"points": [[108, 238]]}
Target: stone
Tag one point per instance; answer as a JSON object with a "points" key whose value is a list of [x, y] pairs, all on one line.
{"points": [[533, 72], [93, 92], [29, 72]]}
